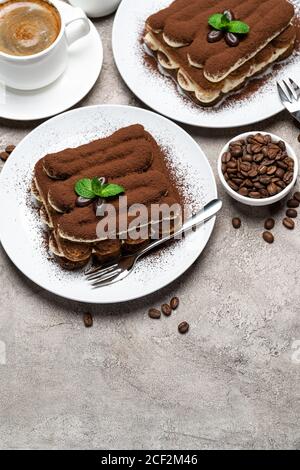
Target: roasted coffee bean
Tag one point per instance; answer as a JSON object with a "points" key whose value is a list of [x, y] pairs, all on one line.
{"points": [[252, 173], [247, 158], [297, 196], [229, 15], [282, 165], [272, 189], [291, 213], [293, 203], [289, 223], [281, 145], [232, 40], [268, 237], [243, 191], [259, 138], [273, 152], [269, 224], [258, 158], [183, 327], [236, 222], [248, 183], [231, 164], [255, 194], [232, 171], [262, 169], [174, 303], [4, 156], [258, 185], [83, 202], [288, 177], [233, 185], [215, 36], [264, 192], [268, 139], [226, 157], [281, 184], [154, 313], [256, 148], [245, 166], [237, 181], [88, 320], [239, 142], [271, 170], [237, 152], [267, 162], [265, 179], [10, 148], [279, 173], [166, 310]]}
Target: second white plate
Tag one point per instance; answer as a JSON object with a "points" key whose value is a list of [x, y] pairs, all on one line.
{"points": [[160, 94]]}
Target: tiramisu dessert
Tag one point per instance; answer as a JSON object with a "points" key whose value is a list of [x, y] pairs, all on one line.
{"points": [[213, 47], [73, 184]]}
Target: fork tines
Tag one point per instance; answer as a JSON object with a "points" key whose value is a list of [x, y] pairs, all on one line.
{"points": [[288, 90]]}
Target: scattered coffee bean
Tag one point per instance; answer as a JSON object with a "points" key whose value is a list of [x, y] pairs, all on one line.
{"points": [[291, 213], [268, 237], [88, 320], [4, 156], [293, 203], [269, 224], [183, 327], [154, 313], [289, 223], [166, 310], [174, 303], [257, 167], [297, 196], [10, 148], [236, 222]]}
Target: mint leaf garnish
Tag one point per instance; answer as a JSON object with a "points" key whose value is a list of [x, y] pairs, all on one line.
{"points": [[221, 22], [238, 27], [83, 188], [92, 188], [218, 21], [111, 190]]}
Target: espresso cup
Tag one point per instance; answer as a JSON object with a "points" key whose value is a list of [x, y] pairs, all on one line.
{"points": [[31, 72]]}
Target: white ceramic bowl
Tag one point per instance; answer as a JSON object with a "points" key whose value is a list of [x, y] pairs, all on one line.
{"points": [[264, 201]]}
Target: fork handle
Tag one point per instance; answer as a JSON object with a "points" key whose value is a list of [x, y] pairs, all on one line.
{"points": [[208, 211]]}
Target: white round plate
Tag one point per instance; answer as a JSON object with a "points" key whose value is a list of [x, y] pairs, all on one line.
{"points": [[160, 94], [21, 234], [84, 67]]}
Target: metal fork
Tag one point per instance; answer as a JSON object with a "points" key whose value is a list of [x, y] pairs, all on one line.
{"points": [[104, 276], [289, 93]]}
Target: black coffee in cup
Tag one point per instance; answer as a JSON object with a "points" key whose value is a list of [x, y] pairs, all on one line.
{"points": [[28, 27]]}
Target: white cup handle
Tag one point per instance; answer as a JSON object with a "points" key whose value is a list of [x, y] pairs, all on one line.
{"points": [[77, 31]]}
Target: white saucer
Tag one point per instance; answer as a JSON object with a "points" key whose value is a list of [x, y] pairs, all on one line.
{"points": [[85, 63]]}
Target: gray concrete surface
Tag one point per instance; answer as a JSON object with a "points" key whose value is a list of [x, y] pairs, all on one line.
{"points": [[131, 382]]}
